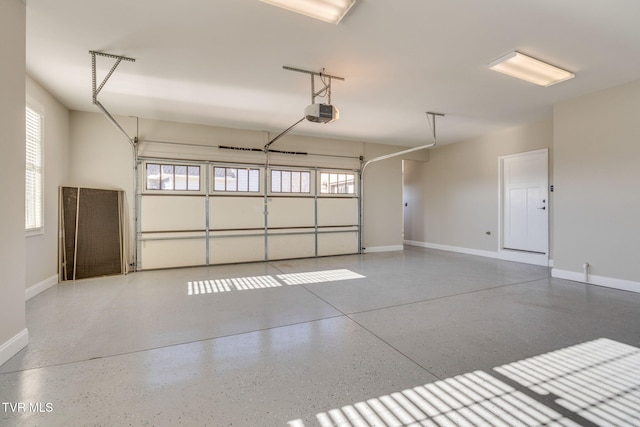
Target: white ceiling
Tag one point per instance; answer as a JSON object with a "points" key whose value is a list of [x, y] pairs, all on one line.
{"points": [[219, 62]]}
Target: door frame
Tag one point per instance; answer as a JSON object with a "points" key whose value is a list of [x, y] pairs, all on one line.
{"points": [[515, 255]]}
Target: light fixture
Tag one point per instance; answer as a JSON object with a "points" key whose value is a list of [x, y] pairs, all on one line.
{"points": [[516, 64], [325, 10]]}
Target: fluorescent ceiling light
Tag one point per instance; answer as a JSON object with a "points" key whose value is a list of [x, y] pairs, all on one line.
{"points": [[325, 10], [516, 64]]}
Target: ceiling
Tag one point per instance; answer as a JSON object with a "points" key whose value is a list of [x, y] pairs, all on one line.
{"points": [[219, 62]]}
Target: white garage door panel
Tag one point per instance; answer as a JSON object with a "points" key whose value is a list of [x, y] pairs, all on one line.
{"points": [[226, 250], [172, 213], [234, 213], [291, 246], [180, 228], [337, 243], [337, 212], [291, 212], [172, 253]]}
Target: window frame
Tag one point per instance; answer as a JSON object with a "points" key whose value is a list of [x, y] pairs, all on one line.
{"points": [[38, 170], [338, 172], [249, 168], [161, 163], [301, 193]]}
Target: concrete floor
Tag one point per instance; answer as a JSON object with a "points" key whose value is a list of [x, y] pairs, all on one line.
{"points": [[397, 338]]}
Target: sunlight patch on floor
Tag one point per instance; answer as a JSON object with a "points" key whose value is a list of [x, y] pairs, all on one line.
{"points": [[318, 277], [227, 285], [599, 381], [213, 286]]}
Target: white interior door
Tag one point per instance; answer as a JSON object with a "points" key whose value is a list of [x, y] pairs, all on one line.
{"points": [[525, 202]]}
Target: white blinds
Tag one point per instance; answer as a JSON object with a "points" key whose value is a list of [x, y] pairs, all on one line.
{"points": [[33, 176]]}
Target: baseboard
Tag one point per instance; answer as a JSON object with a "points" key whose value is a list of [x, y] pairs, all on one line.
{"points": [[448, 248], [13, 346], [609, 282], [372, 249], [523, 257], [42, 286]]}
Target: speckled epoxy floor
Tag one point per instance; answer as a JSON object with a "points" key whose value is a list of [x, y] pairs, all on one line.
{"points": [[141, 350]]}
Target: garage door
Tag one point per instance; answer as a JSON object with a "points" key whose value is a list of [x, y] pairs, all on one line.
{"points": [[205, 213]]}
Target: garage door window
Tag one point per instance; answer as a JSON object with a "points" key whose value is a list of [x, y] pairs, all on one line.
{"points": [[172, 177], [243, 180], [337, 183], [285, 181]]}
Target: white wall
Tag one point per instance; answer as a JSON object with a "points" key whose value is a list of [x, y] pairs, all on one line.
{"points": [[42, 249], [204, 139], [100, 157], [13, 332], [382, 211], [453, 197], [597, 177]]}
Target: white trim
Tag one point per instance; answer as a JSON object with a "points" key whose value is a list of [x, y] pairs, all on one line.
{"points": [[523, 257], [13, 346], [478, 252], [609, 282], [34, 232], [39, 287], [383, 249], [526, 153]]}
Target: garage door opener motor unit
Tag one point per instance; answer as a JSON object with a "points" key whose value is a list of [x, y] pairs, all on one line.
{"points": [[315, 112], [321, 113]]}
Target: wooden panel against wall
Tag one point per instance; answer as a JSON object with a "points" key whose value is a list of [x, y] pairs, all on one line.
{"points": [[92, 233]]}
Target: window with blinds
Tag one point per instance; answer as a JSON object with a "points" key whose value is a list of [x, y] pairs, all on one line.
{"points": [[33, 178]]}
